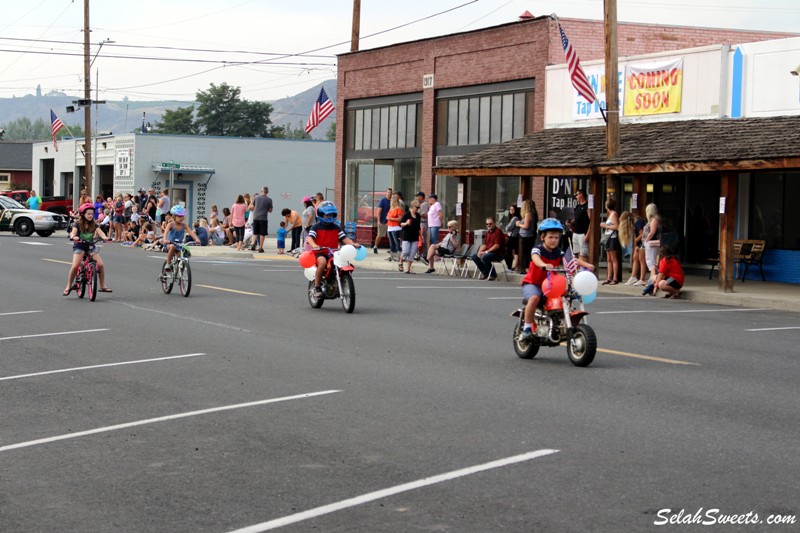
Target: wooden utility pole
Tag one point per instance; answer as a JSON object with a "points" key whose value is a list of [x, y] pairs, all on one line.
{"points": [[612, 81], [356, 25], [87, 108]]}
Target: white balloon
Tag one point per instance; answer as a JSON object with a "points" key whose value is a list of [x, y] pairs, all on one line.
{"points": [[348, 252], [338, 260], [309, 273], [585, 283]]}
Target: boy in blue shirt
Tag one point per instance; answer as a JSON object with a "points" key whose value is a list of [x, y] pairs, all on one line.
{"points": [[282, 237]]}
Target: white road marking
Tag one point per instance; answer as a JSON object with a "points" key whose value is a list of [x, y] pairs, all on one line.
{"points": [[391, 491], [773, 329], [159, 419], [51, 334], [19, 313], [183, 317], [283, 270], [37, 243], [18, 376], [677, 311], [472, 287]]}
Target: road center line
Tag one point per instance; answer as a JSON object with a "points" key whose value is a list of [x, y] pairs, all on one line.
{"points": [[648, 357], [391, 491], [160, 419], [56, 261], [773, 329], [468, 287], [51, 334], [18, 376], [19, 313], [678, 311], [228, 290], [182, 317]]}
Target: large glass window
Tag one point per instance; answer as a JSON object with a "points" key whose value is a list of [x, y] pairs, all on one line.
{"points": [[475, 120], [367, 181], [383, 127], [490, 197], [772, 196]]}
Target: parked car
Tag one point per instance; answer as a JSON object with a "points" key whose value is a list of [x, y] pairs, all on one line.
{"points": [[17, 218], [54, 204]]}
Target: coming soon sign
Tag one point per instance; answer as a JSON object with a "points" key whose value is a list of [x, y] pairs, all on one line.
{"points": [[653, 89]]}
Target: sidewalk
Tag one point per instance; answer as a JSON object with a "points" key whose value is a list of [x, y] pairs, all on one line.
{"points": [[698, 288]]}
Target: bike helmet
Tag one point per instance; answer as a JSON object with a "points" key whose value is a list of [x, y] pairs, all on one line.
{"points": [[550, 224], [82, 209], [327, 208], [178, 211]]}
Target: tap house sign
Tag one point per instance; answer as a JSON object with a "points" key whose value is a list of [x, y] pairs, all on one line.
{"points": [[561, 196]]}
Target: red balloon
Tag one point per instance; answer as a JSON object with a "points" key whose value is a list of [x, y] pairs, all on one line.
{"points": [[554, 286], [307, 259]]}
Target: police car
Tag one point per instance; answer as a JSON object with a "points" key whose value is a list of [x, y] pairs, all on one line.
{"points": [[23, 221]]}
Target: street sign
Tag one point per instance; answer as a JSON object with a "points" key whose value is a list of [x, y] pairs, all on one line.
{"points": [[171, 164]]}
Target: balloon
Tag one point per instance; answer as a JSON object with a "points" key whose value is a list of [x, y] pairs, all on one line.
{"points": [[309, 273], [338, 260], [361, 253], [348, 252], [589, 298], [554, 286], [307, 259], [585, 283]]}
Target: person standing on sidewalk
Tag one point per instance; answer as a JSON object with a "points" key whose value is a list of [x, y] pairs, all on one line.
{"points": [[580, 226], [423, 223], [384, 205], [261, 210], [434, 218]]}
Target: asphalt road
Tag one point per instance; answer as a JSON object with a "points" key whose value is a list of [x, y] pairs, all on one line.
{"points": [[224, 410]]}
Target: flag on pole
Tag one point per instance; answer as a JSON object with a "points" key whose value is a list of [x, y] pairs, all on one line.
{"points": [[55, 125], [576, 73], [570, 263], [322, 108]]}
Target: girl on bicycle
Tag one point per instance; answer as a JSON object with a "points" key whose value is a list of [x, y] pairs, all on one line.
{"points": [[176, 231], [83, 234]]}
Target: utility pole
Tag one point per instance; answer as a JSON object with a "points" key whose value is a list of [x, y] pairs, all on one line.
{"points": [[356, 26], [87, 110], [612, 81]]}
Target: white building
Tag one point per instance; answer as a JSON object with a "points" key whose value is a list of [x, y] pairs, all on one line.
{"points": [[202, 170]]}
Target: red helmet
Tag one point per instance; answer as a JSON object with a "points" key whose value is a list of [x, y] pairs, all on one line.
{"points": [[84, 207]]}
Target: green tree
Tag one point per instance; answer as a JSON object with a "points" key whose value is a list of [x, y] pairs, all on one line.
{"points": [[254, 121], [177, 121], [23, 129], [331, 133], [222, 111], [298, 133]]}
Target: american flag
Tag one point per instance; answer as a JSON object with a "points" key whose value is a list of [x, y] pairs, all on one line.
{"points": [[322, 108], [55, 125], [576, 73], [570, 263]]}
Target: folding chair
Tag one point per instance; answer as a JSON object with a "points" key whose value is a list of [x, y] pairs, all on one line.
{"points": [[499, 269], [455, 258], [443, 269], [466, 270]]}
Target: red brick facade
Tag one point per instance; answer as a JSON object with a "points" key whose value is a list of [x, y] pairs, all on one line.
{"points": [[514, 51]]}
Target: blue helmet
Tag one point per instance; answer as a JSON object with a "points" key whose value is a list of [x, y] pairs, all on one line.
{"points": [[550, 224], [327, 208], [178, 211]]}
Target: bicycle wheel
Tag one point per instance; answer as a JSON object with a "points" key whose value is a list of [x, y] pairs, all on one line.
{"points": [[185, 277], [166, 279], [81, 280], [348, 295], [92, 275]]}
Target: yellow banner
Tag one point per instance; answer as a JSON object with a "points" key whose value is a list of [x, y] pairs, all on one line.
{"points": [[654, 89]]}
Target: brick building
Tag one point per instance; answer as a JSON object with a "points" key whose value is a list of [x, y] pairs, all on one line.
{"points": [[408, 107]]}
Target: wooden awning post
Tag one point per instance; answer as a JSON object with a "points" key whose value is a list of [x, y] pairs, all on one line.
{"points": [[727, 224], [594, 220]]}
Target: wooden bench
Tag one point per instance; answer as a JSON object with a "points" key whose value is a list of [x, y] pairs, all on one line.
{"points": [[746, 252]]}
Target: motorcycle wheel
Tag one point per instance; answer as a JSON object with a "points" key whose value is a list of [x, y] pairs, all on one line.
{"points": [[348, 295], [525, 350], [81, 281], [582, 347], [185, 278], [315, 302], [166, 279], [92, 273]]}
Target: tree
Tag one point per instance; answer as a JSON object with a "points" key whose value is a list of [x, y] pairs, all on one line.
{"points": [[331, 133], [177, 121], [287, 132], [222, 111], [23, 129]]}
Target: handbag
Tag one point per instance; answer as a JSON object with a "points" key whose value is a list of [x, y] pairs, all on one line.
{"points": [[655, 243], [604, 238]]}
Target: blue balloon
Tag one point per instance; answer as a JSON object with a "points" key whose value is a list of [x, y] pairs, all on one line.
{"points": [[589, 298], [361, 253]]}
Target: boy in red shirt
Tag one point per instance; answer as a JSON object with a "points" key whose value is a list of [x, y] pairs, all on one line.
{"points": [[325, 236], [670, 274]]}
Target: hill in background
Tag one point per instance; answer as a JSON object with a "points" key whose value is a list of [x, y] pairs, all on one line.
{"points": [[124, 116]]}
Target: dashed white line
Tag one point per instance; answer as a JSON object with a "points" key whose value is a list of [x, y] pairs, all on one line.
{"points": [[19, 313], [773, 329], [676, 311], [105, 429], [51, 334], [90, 367], [391, 491]]}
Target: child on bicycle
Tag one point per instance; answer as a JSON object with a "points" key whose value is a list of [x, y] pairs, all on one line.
{"points": [[176, 231], [327, 234], [546, 256], [82, 234]]}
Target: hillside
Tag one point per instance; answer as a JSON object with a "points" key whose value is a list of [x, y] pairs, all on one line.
{"points": [[121, 116]]}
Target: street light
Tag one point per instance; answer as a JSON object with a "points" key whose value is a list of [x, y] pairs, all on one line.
{"points": [[101, 43]]}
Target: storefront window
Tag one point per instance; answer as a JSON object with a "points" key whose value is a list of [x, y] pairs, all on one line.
{"points": [[771, 197], [490, 197], [367, 181]]}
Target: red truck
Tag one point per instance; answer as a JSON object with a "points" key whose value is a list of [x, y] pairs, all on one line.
{"points": [[53, 204]]}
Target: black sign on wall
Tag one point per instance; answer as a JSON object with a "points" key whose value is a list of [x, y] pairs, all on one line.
{"points": [[561, 196]]}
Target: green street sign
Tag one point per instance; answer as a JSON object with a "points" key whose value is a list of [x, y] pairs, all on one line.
{"points": [[170, 165]]}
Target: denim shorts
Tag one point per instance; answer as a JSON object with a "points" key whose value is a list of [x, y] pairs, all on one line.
{"points": [[78, 250], [528, 290]]}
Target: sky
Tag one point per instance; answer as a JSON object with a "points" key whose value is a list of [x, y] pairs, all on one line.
{"points": [[170, 49]]}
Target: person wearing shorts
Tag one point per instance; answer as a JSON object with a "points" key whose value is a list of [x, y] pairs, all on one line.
{"points": [[261, 210], [580, 226], [383, 224]]}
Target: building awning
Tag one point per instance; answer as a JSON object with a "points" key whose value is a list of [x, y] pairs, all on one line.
{"points": [[185, 169], [715, 145]]}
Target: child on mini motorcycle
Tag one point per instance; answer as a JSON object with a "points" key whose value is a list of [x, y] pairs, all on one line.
{"points": [[546, 256], [326, 234]]}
